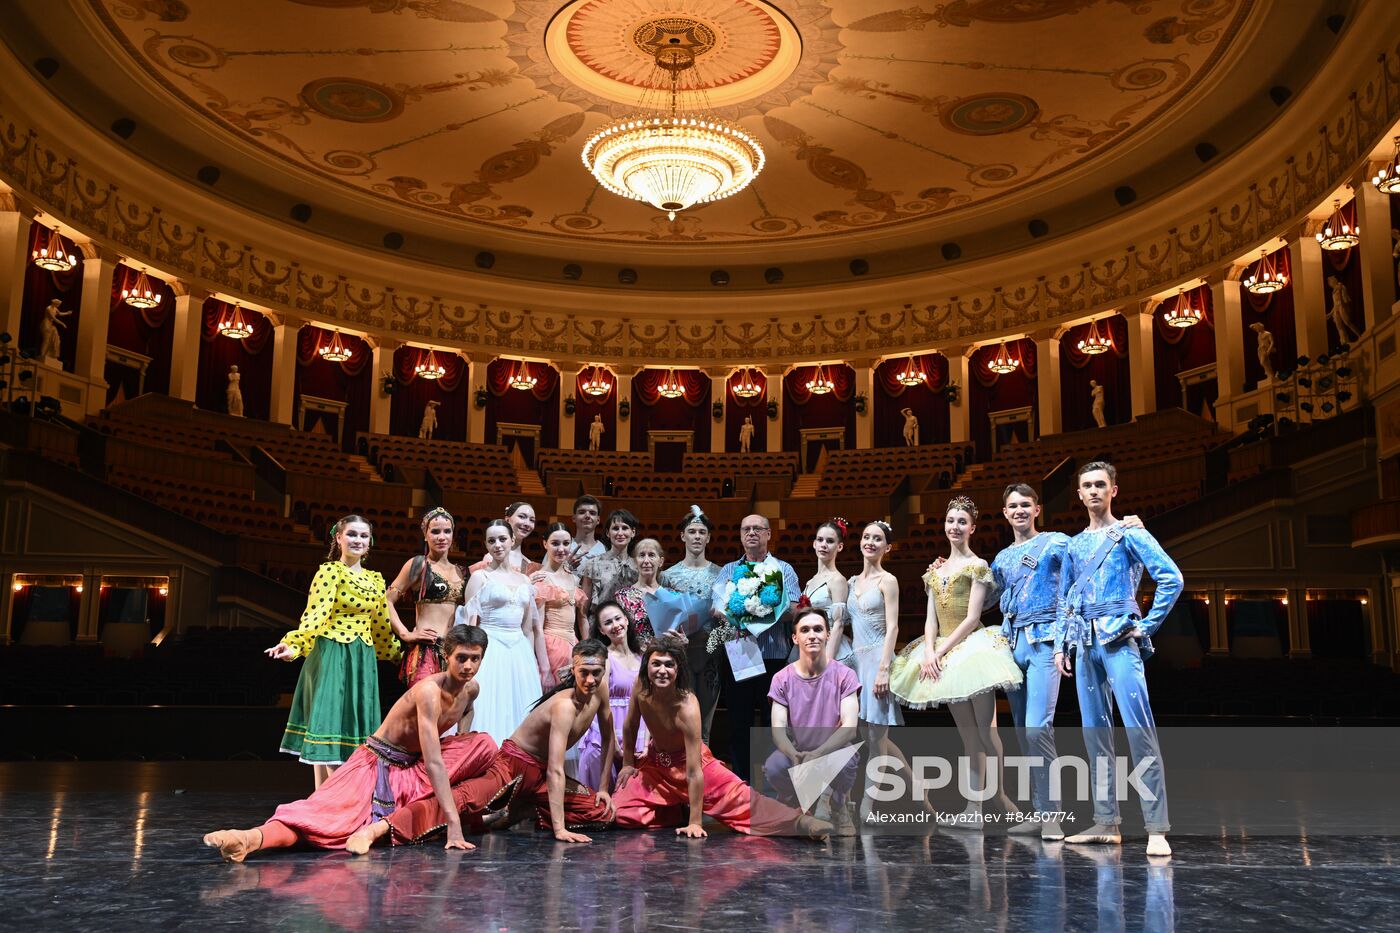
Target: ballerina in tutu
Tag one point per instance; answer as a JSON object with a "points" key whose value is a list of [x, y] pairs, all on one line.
{"points": [[958, 662]]}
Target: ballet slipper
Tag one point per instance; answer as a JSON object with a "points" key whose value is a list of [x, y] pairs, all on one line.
{"points": [[1098, 834], [1157, 845], [1052, 830], [235, 845]]}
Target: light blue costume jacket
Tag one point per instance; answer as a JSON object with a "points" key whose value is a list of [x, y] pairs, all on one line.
{"points": [[1102, 602], [1027, 576]]}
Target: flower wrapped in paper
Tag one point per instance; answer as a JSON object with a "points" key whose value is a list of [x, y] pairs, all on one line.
{"points": [[753, 601]]}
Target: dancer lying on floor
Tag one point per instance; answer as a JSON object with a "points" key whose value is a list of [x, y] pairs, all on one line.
{"points": [[678, 769], [403, 761], [528, 772]]}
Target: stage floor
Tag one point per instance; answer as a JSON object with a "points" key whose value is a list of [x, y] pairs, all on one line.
{"points": [[116, 847]]}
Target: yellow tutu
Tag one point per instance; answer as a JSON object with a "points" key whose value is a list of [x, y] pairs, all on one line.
{"points": [[982, 662]]}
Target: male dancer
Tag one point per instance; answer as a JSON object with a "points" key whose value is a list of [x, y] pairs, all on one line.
{"points": [[816, 710], [402, 762], [678, 769], [586, 544], [1099, 617], [528, 770]]}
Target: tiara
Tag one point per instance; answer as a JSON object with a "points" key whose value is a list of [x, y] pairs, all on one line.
{"points": [[886, 526], [963, 503]]}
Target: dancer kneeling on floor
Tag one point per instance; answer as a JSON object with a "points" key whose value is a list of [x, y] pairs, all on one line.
{"points": [[528, 772], [678, 770], [403, 761]]}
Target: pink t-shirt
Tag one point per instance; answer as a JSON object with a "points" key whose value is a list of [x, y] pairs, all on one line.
{"points": [[814, 706]]}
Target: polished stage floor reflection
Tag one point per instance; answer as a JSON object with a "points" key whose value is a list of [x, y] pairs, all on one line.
{"points": [[117, 847]]}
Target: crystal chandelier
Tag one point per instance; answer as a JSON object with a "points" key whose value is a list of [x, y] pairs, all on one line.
{"points": [[51, 254], [1336, 233], [234, 325], [336, 351], [597, 384], [912, 374], [522, 379], [1184, 313], [141, 294], [747, 386], [820, 383], [1003, 362], [1095, 342], [1265, 279], [676, 160], [1387, 180], [671, 386], [428, 366]]}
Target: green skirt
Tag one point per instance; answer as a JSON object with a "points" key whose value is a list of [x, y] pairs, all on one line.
{"points": [[336, 703]]}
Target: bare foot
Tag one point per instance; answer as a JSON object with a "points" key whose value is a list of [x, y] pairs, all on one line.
{"points": [[235, 845], [366, 836], [1157, 844], [1098, 834]]}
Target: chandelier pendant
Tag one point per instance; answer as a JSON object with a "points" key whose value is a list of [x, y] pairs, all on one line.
{"points": [[51, 254], [1003, 362], [597, 384], [1387, 180], [1336, 233], [677, 160], [428, 366], [820, 383], [336, 351], [671, 386], [234, 325], [1184, 313], [1266, 278], [141, 294], [912, 374], [1095, 342], [522, 379], [747, 386]]}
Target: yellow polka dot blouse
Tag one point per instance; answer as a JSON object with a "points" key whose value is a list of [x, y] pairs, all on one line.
{"points": [[343, 606]]}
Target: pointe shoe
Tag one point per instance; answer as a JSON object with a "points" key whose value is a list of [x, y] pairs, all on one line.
{"points": [[1098, 834], [1157, 845]]}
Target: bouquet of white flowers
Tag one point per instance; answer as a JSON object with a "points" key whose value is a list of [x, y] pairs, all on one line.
{"points": [[753, 598]]}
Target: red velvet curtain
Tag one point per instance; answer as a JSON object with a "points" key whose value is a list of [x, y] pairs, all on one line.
{"points": [[350, 381], [737, 409], [1275, 312], [41, 287], [1344, 265], [928, 400], [539, 405], [1178, 349], [989, 392], [653, 412], [805, 410], [148, 331], [1110, 370], [586, 406], [252, 356], [412, 394]]}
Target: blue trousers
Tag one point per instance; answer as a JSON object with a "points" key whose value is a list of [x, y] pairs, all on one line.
{"points": [[1109, 673], [1033, 711]]}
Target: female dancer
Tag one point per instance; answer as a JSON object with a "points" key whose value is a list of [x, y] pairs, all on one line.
{"points": [[872, 604], [649, 558], [614, 628], [502, 601], [602, 575], [559, 600], [827, 589], [435, 585], [957, 661], [696, 576], [345, 628], [520, 516]]}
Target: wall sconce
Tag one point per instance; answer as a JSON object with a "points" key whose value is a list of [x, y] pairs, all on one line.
{"points": [[717, 410], [570, 406], [624, 409], [772, 410], [481, 398]]}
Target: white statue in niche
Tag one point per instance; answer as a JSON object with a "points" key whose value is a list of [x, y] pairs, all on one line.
{"points": [[1096, 409], [1265, 349], [1340, 315], [233, 395], [911, 427], [429, 423], [746, 434], [50, 341], [595, 433]]}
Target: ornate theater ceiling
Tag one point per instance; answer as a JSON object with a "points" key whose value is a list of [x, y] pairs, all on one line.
{"points": [[882, 118]]}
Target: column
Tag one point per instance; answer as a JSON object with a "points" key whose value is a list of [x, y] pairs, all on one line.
{"points": [[1308, 284], [1229, 332], [476, 382], [1373, 217], [1219, 630], [1050, 414], [184, 347], [774, 393], [16, 216], [90, 601], [7, 606], [284, 366], [719, 392], [99, 268], [381, 363], [959, 414], [1299, 641], [865, 423], [624, 393], [1142, 362], [568, 386]]}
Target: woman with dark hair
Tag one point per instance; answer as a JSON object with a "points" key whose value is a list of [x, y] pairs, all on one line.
{"points": [[435, 585], [345, 628], [604, 574], [558, 598], [696, 576], [827, 589], [614, 628], [520, 518]]}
